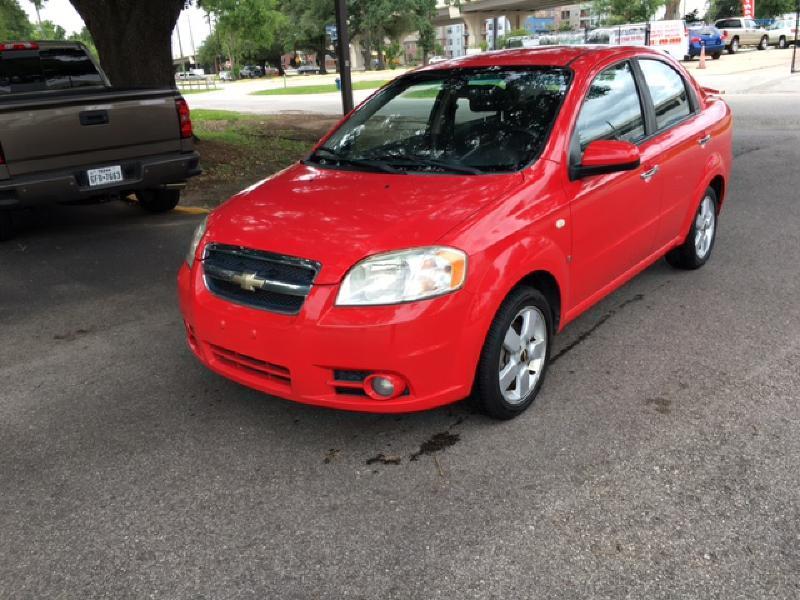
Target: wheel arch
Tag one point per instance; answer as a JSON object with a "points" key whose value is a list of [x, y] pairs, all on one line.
{"points": [[717, 183]]}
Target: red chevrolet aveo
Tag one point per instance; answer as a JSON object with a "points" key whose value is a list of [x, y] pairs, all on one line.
{"points": [[434, 242]]}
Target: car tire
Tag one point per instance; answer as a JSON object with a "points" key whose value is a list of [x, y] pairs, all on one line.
{"points": [[158, 201], [782, 44], [524, 316], [716, 55], [763, 44], [733, 47], [6, 225], [696, 249]]}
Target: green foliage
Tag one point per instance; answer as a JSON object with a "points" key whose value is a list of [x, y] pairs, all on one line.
{"points": [[766, 9], [502, 41], [85, 38], [324, 88], [14, 23], [47, 30], [616, 12], [719, 9], [244, 28]]}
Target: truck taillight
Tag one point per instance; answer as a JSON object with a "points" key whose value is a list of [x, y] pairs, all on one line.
{"points": [[695, 40], [19, 46], [724, 33], [184, 118]]}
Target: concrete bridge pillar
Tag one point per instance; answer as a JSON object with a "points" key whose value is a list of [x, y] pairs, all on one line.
{"points": [[473, 22]]}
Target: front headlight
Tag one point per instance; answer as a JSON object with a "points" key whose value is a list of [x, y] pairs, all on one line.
{"points": [[199, 232], [404, 276]]}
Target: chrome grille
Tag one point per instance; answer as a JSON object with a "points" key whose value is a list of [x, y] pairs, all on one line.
{"points": [[262, 280]]}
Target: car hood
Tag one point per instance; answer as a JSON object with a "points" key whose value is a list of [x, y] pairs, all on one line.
{"points": [[338, 217]]}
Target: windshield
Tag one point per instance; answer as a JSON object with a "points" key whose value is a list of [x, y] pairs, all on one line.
{"points": [[465, 121]]}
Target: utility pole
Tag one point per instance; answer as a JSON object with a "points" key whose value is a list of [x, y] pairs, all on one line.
{"points": [[494, 32], [343, 55], [796, 27]]}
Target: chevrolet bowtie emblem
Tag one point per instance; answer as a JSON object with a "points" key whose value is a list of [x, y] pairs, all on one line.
{"points": [[249, 282]]}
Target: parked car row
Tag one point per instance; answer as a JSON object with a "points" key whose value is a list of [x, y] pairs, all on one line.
{"points": [[731, 34]]}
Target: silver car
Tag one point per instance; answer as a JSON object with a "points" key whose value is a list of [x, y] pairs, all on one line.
{"points": [[741, 31], [782, 32]]}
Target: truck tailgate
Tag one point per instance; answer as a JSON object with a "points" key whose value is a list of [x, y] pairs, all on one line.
{"points": [[104, 127]]}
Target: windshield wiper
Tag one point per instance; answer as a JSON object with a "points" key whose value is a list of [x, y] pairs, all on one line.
{"points": [[398, 159], [332, 155]]}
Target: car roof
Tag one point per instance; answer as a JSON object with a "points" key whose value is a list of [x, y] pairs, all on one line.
{"points": [[547, 56]]}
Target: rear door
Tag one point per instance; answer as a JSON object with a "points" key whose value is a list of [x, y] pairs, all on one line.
{"points": [[57, 112], [614, 216]]}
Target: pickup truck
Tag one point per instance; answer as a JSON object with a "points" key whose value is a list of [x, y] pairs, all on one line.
{"points": [[68, 136]]}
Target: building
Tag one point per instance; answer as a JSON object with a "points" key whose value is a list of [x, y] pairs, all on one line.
{"points": [[451, 38]]}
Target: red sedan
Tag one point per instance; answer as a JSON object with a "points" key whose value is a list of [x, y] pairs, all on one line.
{"points": [[434, 242]]}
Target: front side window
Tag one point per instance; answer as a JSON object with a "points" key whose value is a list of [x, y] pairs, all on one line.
{"points": [[467, 121], [668, 91], [611, 110]]}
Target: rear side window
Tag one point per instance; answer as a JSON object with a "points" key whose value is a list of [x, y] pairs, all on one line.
{"points": [[668, 91], [729, 24], [51, 69], [611, 110]]}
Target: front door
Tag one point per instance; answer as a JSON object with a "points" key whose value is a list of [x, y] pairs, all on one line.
{"points": [[614, 216]]}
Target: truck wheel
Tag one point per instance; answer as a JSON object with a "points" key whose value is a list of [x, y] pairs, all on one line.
{"points": [[6, 225], [696, 248], [762, 45], [782, 43], [158, 201], [733, 47], [514, 359]]}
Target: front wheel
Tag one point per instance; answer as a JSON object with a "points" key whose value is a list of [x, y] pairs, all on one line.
{"points": [[158, 201], [782, 43], [762, 45], [514, 359], [696, 248]]}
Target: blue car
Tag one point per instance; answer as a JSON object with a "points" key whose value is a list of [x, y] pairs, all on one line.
{"points": [[708, 36]]}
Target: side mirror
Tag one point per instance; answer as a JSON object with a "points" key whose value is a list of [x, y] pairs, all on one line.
{"points": [[606, 156]]}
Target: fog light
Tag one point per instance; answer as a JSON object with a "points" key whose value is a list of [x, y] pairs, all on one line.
{"points": [[384, 387]]}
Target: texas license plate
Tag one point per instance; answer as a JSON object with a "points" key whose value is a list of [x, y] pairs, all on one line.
{"points": [[104, 176]]}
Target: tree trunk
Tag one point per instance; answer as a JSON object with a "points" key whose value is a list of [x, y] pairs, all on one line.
{"points": [[673, 9], [133, 39]]}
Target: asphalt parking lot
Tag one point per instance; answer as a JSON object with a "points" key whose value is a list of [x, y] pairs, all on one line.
{"points": [[660, 461]]}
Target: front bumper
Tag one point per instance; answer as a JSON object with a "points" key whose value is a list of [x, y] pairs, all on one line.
{"points": [[70, 185], [297, 357]]}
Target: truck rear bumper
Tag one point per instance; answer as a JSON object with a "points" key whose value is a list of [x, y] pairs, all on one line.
{"points": [[71, 185]]}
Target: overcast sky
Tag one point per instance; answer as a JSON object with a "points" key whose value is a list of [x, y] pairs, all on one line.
{"points": [[62, 13]]}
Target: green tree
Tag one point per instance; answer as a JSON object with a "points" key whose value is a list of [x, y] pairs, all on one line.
{"points": [[244, 28], [766, 9], [14, 23], [308, 20], [83, 36], [615, 12], [47, 30], [719, 9]]}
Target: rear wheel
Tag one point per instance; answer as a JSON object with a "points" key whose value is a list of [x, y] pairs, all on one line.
{"points": [[716, 55], [733, 47], [696, 248], [764, 43], [514, 359], [158, 201], [6, 225]]}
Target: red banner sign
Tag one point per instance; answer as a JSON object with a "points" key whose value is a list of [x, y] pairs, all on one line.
{"points": [[749, 9]]}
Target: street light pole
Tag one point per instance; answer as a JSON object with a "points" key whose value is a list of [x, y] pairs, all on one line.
{"points": [[796, 27], [343, 55]]}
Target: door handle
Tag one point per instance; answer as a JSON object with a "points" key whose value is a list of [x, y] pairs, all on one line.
{"points": [[704, 140], [649, 174]]}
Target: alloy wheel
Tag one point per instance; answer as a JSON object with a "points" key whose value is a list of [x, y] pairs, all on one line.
{"points": [[705, 224], [522, 357]]}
